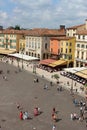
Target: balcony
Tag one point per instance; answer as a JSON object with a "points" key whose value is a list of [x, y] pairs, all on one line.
{"points": [[81, 60]]}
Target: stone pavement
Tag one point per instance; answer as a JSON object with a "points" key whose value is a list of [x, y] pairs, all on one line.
{"points": [[47, 75], [20, 88]]}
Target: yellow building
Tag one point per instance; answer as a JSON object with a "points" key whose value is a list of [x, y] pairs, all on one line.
{"points": [[22, 44], [67, 50], [9, 40]]}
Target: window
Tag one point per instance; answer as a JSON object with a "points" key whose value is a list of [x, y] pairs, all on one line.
{"points": [[78, 45], [78, 36], [70, 57], [66, 43], [27, 44], [82, 46], [10, 41], [68, 34], [13, 41], [70, 44], [38, 45], [70, 50], [83, 36], [66, 50], [32, 44], [38, 55], [82, 55], [77, 54], [29, 53], [35, 46], [45, 45], [65, 57]]}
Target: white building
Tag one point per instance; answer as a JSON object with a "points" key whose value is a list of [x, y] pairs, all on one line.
{"points": [[81, 49], [38, 42]]}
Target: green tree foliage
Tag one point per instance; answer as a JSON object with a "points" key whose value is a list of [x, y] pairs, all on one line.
{"points": [[17, 27], [56, 76]]}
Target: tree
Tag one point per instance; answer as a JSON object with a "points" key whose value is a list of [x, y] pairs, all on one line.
{"points": [[56, 76], [17, 27]]}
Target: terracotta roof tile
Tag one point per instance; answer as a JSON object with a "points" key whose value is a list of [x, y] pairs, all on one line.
{"points": [[75, 27], [36, 32], [83, 32]]}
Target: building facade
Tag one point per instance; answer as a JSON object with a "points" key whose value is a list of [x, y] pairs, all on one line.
{"points": [[67, 50], [38, 42], [55, 48], [37, 46], [81, 49], [9, 41]]}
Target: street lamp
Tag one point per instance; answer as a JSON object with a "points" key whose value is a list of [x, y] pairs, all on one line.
{"points": [[22, 51], [72, 87], [34, 68]]}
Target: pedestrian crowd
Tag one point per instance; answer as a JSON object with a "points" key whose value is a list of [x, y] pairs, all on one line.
{"points": [[82, 116]]}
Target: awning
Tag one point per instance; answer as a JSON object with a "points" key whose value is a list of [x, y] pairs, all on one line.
{"points": [[4, 51], [58, 63], [75, 69], [47, 61], [24, 57], [82, 73]]}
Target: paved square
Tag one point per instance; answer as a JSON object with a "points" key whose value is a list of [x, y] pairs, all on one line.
{"points": [[20, 88]]}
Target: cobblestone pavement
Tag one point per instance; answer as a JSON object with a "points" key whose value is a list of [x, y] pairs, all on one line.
{"points": [[19, 87]]}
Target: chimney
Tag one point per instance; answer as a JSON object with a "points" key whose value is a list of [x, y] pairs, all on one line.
{"points": [[62, 27]]}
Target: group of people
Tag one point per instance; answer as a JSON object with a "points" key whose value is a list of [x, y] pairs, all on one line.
{"points": [[74, 116], [54, 115], [82, 110], [25, 115]]}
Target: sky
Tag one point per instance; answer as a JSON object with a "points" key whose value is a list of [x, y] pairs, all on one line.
{"points": [[42, 13]]}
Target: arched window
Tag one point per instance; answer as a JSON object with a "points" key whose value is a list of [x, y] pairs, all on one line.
{"points": [[38, 55], [29, 53], [35, 55]]}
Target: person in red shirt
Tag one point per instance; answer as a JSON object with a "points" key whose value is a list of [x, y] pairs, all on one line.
{"points": [[36, 111], [21, 115]]}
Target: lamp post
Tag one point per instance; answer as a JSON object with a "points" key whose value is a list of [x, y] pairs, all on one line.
{"points": [[22, 52], [72, 87], [34, 68], [22, 57]]}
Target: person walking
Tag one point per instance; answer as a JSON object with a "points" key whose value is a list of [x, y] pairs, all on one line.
{"points": [[53, 127], [71, 116]]}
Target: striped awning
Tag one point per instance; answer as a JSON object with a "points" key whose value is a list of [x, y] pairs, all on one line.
{"points": [[58, 63], [82, 73]]}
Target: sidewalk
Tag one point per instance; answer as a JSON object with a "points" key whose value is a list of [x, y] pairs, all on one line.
{"points": [[63, 80]]}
